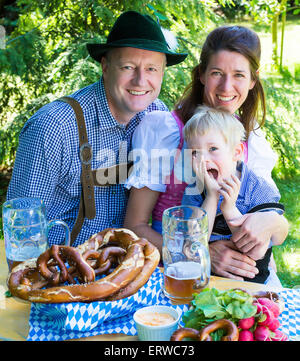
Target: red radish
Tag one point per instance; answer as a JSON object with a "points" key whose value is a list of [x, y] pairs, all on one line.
{"points": [[262, 333], [246, 323], [279, 336], [274, 324], [259, 307], [271, 305], [246, 335], [266, 318]]}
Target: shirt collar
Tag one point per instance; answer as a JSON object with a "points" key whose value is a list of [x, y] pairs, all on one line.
{"points": [[106, 119]]}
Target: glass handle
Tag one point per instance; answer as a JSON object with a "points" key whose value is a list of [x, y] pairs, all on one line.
{"points": [[57, 222], [204, 258]]}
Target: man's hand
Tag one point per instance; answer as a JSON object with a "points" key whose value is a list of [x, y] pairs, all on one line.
{"points": [[227, 261], [252, 235]]}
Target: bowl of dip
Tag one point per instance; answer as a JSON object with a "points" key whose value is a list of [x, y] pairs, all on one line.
{"points": [[156, 323]]}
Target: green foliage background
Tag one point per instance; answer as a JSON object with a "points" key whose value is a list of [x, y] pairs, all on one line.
{"points": [[45, 57]]}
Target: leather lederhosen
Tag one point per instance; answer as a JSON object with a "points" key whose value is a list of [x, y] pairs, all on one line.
{"points": [[88, 178]]}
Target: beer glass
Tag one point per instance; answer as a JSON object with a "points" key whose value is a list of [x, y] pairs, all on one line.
{"points": [[25, 228], [185, 252]]}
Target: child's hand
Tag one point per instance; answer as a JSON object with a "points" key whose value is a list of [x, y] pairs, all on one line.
{"points": [[230, 188], [198, 169], [205, 180]]}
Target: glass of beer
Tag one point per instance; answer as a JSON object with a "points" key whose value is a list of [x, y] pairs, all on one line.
{"points": [[185, 252], [25, 228]]}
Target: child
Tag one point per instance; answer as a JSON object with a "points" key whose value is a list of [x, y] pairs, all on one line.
{"points": [[230, 188]]}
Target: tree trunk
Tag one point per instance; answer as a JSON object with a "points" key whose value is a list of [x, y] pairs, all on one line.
{"points": [[274, 39], [283, 19]]}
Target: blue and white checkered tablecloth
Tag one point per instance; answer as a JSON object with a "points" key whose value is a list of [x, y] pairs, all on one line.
{"points": [[58, 322]]}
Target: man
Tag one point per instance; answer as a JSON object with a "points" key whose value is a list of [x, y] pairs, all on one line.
{"points": [[62, 146]]}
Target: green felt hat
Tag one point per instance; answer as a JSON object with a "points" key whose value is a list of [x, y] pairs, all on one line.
{"points": [[135, 30]]}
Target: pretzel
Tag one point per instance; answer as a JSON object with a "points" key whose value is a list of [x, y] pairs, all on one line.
{"points": [[185, 332], [104, 259], [232, 333], [273, 296], [139, 281], [60, 254], [138, 259]]}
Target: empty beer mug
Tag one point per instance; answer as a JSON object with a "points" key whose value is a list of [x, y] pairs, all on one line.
{"points": [[185, 252], [26, 228]]}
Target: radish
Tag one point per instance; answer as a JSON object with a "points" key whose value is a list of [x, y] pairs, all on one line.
{"points": [[274, 324], [266, 318], [279, 336], [246, 323], [246, 335], [262, 333], [271, 305], [259, 307]]}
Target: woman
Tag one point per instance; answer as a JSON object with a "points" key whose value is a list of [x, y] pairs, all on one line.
{"points": [[226, 78]]}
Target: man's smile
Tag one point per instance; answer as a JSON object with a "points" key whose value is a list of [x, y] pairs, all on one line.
{"points": [[136, 92]]}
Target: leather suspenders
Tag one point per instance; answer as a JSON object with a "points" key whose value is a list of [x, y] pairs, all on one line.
{"points": [[89, 179], [87, 200]]}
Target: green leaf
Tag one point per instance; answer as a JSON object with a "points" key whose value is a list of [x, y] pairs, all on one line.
{"points": [[241, 310], [160, 16], [262, 317], [8, 294], [212, 304]]}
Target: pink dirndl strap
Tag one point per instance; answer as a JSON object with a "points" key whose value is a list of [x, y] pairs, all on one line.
{"points": [[175, 188]]}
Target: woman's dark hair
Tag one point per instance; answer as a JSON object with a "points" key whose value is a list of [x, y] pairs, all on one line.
{"points": [[231, 38]]}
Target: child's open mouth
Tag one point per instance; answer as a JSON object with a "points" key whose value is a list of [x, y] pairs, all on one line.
{"points": [[213, 173]]}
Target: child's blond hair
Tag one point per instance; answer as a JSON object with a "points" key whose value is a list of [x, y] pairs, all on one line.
{"points": [[206, 118]]}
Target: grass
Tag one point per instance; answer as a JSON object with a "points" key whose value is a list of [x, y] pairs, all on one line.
{"points": [[291, 49], [287, 256]]}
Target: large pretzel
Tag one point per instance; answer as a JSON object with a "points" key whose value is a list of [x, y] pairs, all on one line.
{"points": [[232, 332], [139, 258]]}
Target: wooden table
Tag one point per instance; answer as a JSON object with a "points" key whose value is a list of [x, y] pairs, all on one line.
{"points": [[14, 313]]}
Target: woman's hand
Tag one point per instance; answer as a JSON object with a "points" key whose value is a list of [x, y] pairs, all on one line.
{"points": [[255, 230], [227, 261]]}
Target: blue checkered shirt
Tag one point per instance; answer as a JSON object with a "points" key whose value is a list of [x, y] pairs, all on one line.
{"points": [[254, 191], [48, 166]]}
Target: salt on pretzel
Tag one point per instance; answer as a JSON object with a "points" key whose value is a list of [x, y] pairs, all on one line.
{"points": [[232, 332], [139, 262]]}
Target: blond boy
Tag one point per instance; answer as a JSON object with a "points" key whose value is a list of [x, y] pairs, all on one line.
{"points": [[230, 188]]}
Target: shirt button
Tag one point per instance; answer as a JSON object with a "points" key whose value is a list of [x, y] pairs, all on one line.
{"points": [[113, 192]]}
